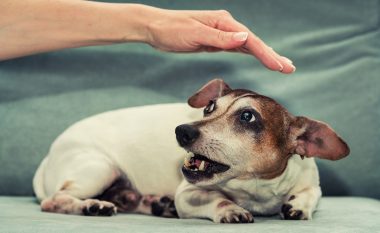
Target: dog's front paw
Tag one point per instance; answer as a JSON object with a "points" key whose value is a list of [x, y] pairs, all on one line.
{"points": [[288, 212], [233, 214], [295, 208], [164, 207], [93, 207]]}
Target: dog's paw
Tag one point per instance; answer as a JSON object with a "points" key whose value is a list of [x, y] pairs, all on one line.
{"points": [[233, 214], [288, 212], [296, 208], [164, 207], [94, 207]]}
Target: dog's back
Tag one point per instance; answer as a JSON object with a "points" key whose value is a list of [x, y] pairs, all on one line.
{"points": [[137, 143]]}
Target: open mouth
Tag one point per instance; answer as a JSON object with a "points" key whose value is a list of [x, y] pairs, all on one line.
{"points": [[199, 167]]}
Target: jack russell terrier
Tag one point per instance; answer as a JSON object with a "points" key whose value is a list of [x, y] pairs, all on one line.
{"points": [[245, 156]]}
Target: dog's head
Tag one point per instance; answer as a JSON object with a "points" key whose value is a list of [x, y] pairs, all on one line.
{"points": [[244, 134]]}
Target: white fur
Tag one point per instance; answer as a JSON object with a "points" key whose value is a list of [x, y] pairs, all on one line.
{"points": [[258, 196], [140, 143]]}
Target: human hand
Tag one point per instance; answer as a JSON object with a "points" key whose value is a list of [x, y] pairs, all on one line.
{"points": [[211, 31], [70, 24]]}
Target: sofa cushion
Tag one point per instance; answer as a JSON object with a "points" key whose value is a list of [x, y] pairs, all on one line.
{"points": [[343, 215], [335, 46]]}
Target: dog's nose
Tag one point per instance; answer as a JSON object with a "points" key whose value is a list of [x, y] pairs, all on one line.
{"points": [[186, 134]]}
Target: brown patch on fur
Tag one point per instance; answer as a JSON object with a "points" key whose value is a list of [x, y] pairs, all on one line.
{"points": [[66, 185], [148, 199], [317, 139], [213, 89], [266, 142], [122, 194], [224, 203], [271, 153], [239, 92]]}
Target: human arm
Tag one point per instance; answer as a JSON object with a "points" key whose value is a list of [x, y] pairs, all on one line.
{"points": [[34, 26]]}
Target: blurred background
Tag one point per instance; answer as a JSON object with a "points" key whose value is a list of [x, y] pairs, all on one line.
{"points": [[334, 44]]}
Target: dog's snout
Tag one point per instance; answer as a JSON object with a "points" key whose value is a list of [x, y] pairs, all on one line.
{"points": [[186, 134]]}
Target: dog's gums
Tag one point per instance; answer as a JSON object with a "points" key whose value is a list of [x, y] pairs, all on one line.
{"points": [[197, 167]]}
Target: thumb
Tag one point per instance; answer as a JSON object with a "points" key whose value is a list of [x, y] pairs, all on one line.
{"points": [[223, 40]]}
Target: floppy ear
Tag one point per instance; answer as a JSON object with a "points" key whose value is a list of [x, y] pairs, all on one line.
{"points": [[214, 89], [312, 138]]}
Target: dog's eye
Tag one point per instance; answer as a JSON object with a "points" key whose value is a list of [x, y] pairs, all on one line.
{"points": [[209, 108], [247, 117]]}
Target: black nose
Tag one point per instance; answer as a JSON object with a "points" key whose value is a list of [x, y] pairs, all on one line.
{"points": [[186, 134]]}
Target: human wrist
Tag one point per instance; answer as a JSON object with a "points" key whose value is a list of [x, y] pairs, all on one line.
{"points": [[132, 22], [116, 23], [138, 22]]}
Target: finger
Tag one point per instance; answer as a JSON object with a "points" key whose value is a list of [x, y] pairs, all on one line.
{"points": [[256, 47], [260, 50], [221, 39], [212, 49], [286, 62]]}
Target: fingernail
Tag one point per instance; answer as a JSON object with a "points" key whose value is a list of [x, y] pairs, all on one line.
{"points": [[290, 62], [281, 68], [240, 36]]}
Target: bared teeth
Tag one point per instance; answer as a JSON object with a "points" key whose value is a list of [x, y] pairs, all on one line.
{"points": [[187, 162], [194, 164], [202, 166]]}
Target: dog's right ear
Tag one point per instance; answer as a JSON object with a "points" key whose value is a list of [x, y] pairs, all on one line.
{"points": [[313, 138], [214, 89]]}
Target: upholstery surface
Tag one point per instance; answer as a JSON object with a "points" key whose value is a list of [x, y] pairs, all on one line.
{"points": [[335, 45], [335, 214]]}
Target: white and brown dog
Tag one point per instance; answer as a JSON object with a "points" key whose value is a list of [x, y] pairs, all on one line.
{"points": [[244, 157]]}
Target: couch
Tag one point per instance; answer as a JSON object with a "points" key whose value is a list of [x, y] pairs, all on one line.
{"points": [[334, 44]]}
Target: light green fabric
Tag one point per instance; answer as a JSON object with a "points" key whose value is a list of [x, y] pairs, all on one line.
{"points": [[338, 215], [334, 44]]}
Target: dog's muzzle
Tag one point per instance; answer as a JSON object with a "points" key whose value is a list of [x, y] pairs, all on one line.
{"points": [[196, 167], [186, 134]]}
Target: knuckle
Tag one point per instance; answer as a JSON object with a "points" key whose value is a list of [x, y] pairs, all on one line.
{"points": [[221, 35], [224, 13]]}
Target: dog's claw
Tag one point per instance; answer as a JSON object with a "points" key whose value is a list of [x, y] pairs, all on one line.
{"points": [[164, 207], [289, 213], [236, 216], [99, 208]]}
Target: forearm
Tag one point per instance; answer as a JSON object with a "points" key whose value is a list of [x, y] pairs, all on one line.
{"points": [[33, 26]]}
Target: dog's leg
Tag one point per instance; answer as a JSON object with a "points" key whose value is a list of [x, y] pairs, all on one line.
{"points": [[64, 203], [301, 205], [194, 202], [157, 205], [128, 200], [82, 182]]}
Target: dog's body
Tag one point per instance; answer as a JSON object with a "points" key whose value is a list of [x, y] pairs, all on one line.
{"points": [[137, 143], [130, 159]]}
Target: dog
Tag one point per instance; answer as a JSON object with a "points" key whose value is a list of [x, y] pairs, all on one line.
{"points": [[243, 155]]}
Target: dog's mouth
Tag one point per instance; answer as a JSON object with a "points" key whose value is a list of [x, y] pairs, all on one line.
{"points": [[198, 167]]}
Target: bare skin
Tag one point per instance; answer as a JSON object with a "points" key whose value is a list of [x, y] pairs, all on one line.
{"points": [[35, 26]]}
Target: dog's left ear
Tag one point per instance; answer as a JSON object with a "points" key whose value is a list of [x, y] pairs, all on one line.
{"points": [[214, 89], [312, 138]]}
